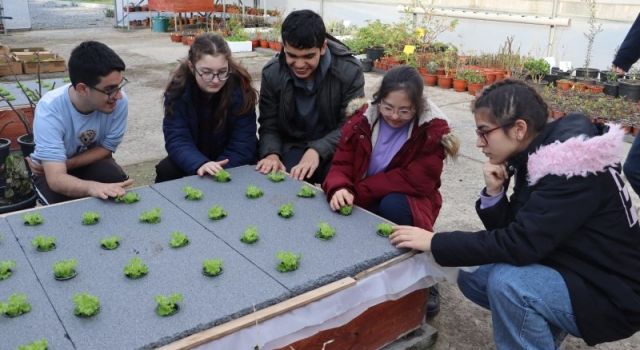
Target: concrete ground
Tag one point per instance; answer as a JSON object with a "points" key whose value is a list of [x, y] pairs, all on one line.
{"points": [[150, 57]]}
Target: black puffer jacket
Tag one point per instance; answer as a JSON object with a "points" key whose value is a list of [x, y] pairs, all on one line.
{"points": [[569, 211], [343, 82]]}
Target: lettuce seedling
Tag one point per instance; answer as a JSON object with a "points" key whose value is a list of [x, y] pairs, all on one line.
{"points": [[151, 217], [217, 212], [136, 268], [110, 243], [87, 305], [16, 305], [128, 198], [254, 192], [90, 218], [276, 176], [192, 194], [384, 229], [288, 261], [44, 244], [325, 231], [167, 305], [222, 176], [346, 210], [178, 239], [32, 219], [6, 269], [65, 269], [286, 210], [250, 235], [41, 344], [306, 192], [212, 267]]}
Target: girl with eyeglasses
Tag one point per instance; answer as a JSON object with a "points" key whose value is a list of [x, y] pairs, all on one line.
{"points": [[561, 254], [390, 156], [209, 107]]}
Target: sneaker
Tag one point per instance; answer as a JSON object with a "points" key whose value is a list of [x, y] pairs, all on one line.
{"points": [[433, 304]]}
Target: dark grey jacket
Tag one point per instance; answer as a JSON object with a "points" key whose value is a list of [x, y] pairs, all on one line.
{"points": [[343, 82]]}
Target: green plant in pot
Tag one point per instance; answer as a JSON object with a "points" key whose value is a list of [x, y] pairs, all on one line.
{"points": [[537, 69]]}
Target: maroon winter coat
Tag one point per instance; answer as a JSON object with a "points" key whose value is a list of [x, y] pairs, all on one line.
{"points": [[414, 171]]}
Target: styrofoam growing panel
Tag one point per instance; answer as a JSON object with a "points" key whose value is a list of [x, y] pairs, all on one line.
{"points": [[41, 322], [355, 247], [127, 319]]}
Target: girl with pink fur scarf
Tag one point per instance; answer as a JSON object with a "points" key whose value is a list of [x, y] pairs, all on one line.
{"points": [[561, 254]]}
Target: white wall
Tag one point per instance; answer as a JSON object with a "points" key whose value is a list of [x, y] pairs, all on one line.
{"points": [[19, 10]]}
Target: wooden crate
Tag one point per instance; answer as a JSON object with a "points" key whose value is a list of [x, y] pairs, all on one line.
{"points": [[31, 56], [27, 49], [56, 64], [9, 66]]}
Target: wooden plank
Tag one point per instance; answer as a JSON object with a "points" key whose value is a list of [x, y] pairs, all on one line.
{"points": [[378, 326], [260, 315], [385, 264]]}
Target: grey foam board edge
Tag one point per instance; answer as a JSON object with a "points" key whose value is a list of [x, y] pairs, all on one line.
{"points": [[356, 246], [127, 319], [41, 322]]}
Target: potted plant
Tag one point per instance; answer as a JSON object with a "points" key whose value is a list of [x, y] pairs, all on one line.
{"points": [[178, 239], [431, 78], [44, 244], [16, 305], [168, 305], [306, 192], [212, 267], [41, 344], [217, 212], [594, 29], [288, 261], [90, 218], [222, 176], [6, 269], [276, 176], [564, 84], [250, 235], [110, 243], [630, 88], [537, 69], [325, 232], [475, 82], [384, 229], [135, 269], [65, 269], [86, 305], [254, 192], [151, 217], [18, 189], [128, 198], [192, 194], [33, 219], [286, 210], [460, 81], [346, 210], [448, 59], [611, 84]]}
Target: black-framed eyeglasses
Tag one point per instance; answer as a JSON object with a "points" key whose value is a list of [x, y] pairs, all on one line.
{"points": [[484, 133], [111, 93], [209, 76]]}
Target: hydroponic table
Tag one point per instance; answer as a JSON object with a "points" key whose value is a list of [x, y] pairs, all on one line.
{"points": [[249, 304]]}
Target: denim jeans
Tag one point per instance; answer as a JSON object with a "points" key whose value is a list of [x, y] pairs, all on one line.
{"points": [[632, 165], [395, 208], [530, 305]]}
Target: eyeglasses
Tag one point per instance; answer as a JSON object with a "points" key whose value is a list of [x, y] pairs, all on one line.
{"points": [[209, 76], [484, 133], [403, 113], [111, 93]]}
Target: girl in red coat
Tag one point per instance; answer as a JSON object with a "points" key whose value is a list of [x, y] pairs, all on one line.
{"points": [[390, 156]]}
